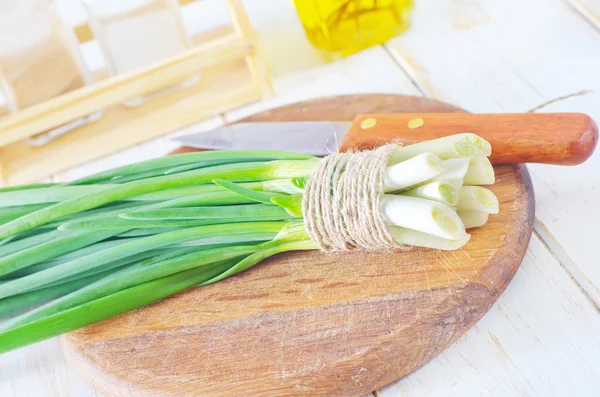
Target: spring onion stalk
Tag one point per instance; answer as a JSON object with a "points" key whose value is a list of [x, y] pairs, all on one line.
{"points": [[213, 198], [180, 217], [46, 265], [476, 198], [25, 187], [459, 145], [49, 250], [27, 242], [236, 172], [188, 191], [213, 234], [201, 194], [111, 265], [13, 204], [104, 308], [21, 302], [239, 212], [442, 192], [146, 231], [480, 172], [10, 213], [61, 193], [456, 169], [77, 253], [426, 216], [140, 175], [248, 262], [131, 276], [117, 223], [97, 213], [480, 143], [412, 172], [473, 219], [202, 159], [53, 194], [134, 297], [419, 239]]}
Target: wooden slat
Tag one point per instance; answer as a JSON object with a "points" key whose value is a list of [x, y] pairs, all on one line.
{"points": [[590, 9], [256, 63], [214, 34], [220, 33], [115, 90], [84, 32], [220, 89]]}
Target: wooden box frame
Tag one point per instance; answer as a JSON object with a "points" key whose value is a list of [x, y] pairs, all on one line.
{"points": [[233, 74]]}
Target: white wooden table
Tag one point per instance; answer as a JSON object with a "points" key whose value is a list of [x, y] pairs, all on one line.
{"points": [[542, 338]]}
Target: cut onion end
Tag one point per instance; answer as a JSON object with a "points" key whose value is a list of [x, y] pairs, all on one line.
{"points": [[477, 198], [415, 238], [472, 219]]}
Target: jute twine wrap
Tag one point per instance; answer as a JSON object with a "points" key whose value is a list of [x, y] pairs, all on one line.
{"points": [[341, 203]]}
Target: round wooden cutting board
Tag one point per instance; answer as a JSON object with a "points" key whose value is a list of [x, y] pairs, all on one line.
{"points": [[311, 324]]}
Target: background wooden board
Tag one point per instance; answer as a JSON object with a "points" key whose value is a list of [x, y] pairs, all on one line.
{"points": [[310, 323]]}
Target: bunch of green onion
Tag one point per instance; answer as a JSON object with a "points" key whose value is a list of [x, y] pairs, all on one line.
{"points": [[76, 253]]}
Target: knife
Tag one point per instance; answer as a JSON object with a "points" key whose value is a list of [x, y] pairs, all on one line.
{"points": [[318, 138], [548, 138]]}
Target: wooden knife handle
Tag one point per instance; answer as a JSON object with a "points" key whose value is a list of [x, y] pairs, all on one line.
{"points": [[548, 138]]}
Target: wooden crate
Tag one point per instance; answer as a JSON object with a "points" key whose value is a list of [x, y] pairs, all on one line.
{"points": [[232, 74]]}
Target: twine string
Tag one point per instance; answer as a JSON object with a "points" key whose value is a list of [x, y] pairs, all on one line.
{"points": [[341, 203]]}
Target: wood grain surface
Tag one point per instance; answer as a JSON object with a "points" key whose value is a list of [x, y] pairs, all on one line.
{"points": [[308, 323]]}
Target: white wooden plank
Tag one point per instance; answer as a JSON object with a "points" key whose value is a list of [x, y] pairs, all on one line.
{"points": [[40, 370], [511, 56], [542, 338], [590, 9]]}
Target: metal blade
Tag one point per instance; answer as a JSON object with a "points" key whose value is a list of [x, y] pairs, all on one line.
{"points": [[318, 138]]}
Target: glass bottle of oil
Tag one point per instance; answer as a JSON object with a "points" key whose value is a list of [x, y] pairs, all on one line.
{"points": [[343, 27]]}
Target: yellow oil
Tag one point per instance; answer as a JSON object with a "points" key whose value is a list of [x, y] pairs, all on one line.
{"points": [[347, 26]]}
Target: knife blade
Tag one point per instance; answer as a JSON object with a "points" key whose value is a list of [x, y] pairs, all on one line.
{"points": [[546, 138], [317, 138]]}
